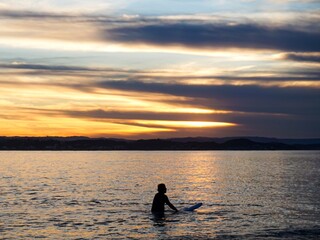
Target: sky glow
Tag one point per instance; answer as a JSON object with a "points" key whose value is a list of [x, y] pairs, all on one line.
{"points": [[148, 69]]}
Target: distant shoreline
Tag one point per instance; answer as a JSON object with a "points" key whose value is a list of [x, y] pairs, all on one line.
{"points": [[176, 144]]}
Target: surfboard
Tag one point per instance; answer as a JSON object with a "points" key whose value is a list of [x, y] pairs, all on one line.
{"points": [[190, 209]]}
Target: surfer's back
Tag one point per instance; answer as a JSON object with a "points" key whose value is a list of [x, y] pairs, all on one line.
{"points": [[158, 202], [160, 199]]}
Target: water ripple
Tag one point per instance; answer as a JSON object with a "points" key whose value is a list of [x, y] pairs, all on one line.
{"points": [[108, 195]]}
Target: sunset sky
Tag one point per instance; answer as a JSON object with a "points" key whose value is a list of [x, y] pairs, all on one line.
{"points": [[156, 69]]}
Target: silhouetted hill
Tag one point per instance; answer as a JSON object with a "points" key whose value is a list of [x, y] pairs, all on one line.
{"points": [[304, 141], [85, 143]]}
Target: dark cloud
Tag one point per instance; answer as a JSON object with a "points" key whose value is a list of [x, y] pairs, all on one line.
{"points": [[195, 35], [76, 18], [253, 106], [247, 124], [247, 98], [44, 67], [287, 113], [299, 35], [307, 76], [118, 73], [238, 117], [303, 57], [63, 67], [144, 115], [31, 14]]}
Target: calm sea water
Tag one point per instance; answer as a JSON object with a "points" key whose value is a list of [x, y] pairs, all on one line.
{"points": [[108, 195]]}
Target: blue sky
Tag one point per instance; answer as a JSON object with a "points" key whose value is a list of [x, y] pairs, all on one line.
{"points": [[164, 7], [144, 69]]}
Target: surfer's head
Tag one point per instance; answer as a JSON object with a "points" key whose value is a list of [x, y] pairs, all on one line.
{"points": [[162, 188]]}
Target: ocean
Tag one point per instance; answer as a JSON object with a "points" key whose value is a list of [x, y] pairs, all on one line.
{"points": [[108, 194]]}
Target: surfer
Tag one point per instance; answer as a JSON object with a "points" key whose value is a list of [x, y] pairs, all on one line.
{"points": [[160, 199]]}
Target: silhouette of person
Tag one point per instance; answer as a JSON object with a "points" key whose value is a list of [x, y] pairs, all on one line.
{"points": [[160, 199]]}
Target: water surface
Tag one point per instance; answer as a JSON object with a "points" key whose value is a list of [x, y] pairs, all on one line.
{"points": [[99, 195]]}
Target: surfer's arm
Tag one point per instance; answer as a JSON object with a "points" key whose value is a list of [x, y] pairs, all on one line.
{"points": [[171, 205]]}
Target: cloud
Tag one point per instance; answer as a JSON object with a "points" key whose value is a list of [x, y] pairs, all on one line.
{"points": [[63, 6], [309, 76], [200, 32], [303, 57], [288, 1], [14, 14], [144, 115], [302, 74], [206, 35], [254, 97], [149, 95], [125, 90], [247, 98], [43, 67], [247, 124], [79, 18]]}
